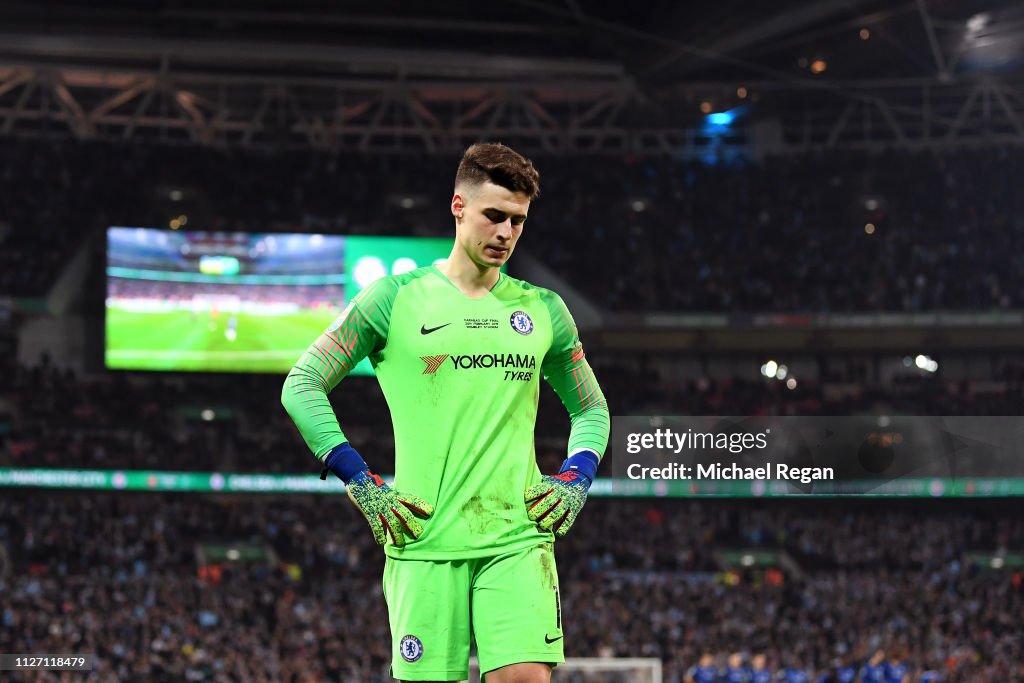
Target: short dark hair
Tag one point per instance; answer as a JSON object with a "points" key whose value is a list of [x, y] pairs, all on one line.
{"points": [[501, 165]]}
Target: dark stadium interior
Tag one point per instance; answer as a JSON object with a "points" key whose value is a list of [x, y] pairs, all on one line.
{"points": [[726, 186], [659, 42]]}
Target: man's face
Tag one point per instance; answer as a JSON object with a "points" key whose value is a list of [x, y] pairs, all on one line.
{"points": [[491, 221]]}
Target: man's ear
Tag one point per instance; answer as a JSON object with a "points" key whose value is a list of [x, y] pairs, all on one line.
{"points": [[458, 205]]}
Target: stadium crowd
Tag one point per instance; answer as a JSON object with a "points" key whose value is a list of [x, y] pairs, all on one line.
{"points": [[124, 576], [842, 232]]}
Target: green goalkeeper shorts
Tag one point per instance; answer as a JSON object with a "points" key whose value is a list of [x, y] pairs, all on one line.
{"points": [[508, 604]]}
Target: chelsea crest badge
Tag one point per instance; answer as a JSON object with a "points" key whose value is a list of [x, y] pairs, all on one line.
{"points": [[411, 648], [521, 322]]}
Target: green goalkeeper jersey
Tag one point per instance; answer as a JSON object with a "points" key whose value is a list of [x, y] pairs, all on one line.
{"points": [[461, 378]]}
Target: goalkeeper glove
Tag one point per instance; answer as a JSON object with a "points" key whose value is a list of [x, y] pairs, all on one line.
{"points": [[555, 502], [391, 514]]}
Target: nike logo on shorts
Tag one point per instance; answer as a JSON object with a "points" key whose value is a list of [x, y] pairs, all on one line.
{"points": [[549, 640]]}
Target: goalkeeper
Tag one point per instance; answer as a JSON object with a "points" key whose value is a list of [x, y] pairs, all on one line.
{"points": [[459, 349]]}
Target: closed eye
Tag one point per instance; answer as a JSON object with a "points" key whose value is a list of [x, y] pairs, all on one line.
{"points": [[496, 216]]}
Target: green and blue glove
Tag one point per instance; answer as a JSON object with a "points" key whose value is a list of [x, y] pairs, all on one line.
{"points": [[391, 514], [555, 502]]}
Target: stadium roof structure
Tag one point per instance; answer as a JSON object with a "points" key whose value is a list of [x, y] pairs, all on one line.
{"points": [[559, 75]]}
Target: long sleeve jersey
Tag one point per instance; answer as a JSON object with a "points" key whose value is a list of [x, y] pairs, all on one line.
{"points": [[461, 378]]}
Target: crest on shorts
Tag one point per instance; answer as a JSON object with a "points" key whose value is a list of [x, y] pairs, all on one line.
{"points": [[411, 648], [521, 322]]}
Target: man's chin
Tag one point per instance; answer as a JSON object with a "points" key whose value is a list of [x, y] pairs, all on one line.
{"points": [[493, 261]]}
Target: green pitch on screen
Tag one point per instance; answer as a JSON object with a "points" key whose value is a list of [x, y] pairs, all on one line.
{"points": [[181, 341]]}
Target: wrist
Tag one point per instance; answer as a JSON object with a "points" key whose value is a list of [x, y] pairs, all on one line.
{"points": [[583, 462], [345, 462]]}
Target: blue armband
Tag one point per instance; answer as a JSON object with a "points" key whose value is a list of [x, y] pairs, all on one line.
{"points": [[583, 462], [344, 462]]}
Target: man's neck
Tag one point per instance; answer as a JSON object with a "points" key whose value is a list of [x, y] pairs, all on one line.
{"points": [[472, 280]]}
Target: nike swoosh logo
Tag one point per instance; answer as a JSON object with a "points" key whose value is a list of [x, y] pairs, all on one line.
{"points": [[551, 640], [427, 330]]}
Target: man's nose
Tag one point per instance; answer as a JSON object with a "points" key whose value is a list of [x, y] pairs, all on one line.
{"points": [[505, 230]]}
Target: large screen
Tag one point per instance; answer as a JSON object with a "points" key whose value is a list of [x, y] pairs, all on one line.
{"points": [[238, 302]]}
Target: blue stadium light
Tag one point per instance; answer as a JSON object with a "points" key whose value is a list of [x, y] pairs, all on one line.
{"points": [[720, 141], [721, 118]]}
